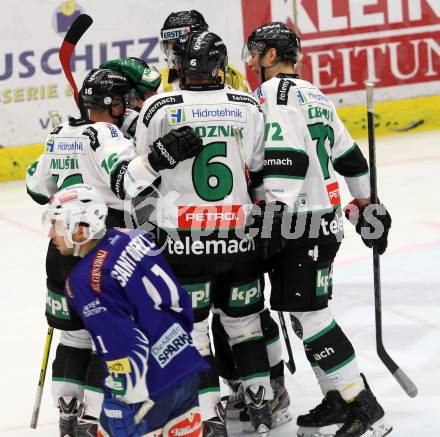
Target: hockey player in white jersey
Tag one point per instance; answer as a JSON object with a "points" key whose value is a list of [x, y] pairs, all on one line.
{"points": [[96, 152], [203, 212], [305, 145], [177, 24]]}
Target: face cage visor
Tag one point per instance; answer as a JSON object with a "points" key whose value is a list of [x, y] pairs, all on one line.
{"points": [[169, 37], [246, 53], [124, 99], [67, 222]]}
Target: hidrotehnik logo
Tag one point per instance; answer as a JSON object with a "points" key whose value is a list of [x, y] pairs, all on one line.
{"points": [[65, 15]]}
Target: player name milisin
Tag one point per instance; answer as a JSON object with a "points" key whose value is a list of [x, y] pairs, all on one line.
{"points": [[126, 263]]}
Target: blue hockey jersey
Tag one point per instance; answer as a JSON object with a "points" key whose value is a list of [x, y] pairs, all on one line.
{"points": [[138, 315]]}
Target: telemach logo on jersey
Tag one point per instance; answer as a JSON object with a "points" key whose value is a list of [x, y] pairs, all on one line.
{"points": [[215, 246]]}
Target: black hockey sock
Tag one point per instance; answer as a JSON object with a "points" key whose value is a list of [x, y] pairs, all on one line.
{"points": [[95, 374], [251, 359], [209, 380], [223, 352], [271, 334], [329, 348], [70, 364]]}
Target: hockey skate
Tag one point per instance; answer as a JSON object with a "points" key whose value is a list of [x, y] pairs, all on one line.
{"points": [[216, 426], [86, 426], [325, 419], [235, 403], [279, 405], [259, 410], [68, 407], [365, 418]]}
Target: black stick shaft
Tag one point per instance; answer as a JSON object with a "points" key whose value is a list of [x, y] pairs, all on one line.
{"points": [[291, 363], [404, 381]]}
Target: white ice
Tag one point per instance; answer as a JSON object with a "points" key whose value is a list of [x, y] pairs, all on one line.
{"points": [[409, 175]]}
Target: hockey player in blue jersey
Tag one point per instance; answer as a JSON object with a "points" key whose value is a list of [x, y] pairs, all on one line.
{"points": [[138, 315]]}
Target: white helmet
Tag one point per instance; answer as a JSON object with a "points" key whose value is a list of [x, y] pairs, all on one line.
{"points": [[74, 205]]}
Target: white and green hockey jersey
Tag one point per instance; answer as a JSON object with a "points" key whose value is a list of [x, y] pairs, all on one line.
{"points": [[210, 190], [306, 143], [82, 152]]}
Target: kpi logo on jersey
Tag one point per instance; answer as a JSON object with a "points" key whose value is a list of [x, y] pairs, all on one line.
{"points": [[177, 115]]}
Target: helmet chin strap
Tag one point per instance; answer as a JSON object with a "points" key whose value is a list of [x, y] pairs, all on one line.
{"points": [[263, 69], [120, 117]]}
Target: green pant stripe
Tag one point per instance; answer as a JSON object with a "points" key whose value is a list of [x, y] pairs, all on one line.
{"points": [[258, 337], [272, 340], [209, 390], [255, 375], [320, 333], [344, 363], [96, 389], [72, 381]]}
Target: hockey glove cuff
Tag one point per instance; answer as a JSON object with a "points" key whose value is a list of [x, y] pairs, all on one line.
{"points": [[120, 419], [174, 147], [372, 223]]}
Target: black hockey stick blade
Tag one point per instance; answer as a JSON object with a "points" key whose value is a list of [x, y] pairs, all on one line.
{"points": [[291, 363], [73, 35]]}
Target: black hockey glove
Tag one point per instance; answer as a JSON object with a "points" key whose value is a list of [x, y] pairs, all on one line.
{"points": [[174, 147], [269, 221], [372, 224]]}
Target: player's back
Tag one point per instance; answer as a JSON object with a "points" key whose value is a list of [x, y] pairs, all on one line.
{"points": [[82, 152], [231, 126], [123, 283], [299, 114]]}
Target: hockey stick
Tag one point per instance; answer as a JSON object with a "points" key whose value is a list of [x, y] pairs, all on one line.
{"points": [[39, 394], [291, 363], [73, 35], [401, 377]]}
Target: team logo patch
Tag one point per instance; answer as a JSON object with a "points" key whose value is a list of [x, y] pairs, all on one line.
{"points": [[177, 115], [160, 103], [49, 144], [333, 193]]}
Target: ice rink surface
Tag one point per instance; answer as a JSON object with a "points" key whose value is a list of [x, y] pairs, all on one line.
{"points": [[409, 185]]}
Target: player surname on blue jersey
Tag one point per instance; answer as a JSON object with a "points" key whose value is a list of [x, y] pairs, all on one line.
{"points": [[138, 315]]}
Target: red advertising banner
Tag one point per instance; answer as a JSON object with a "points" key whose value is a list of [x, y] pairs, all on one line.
{"points": [[389, 42]]}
